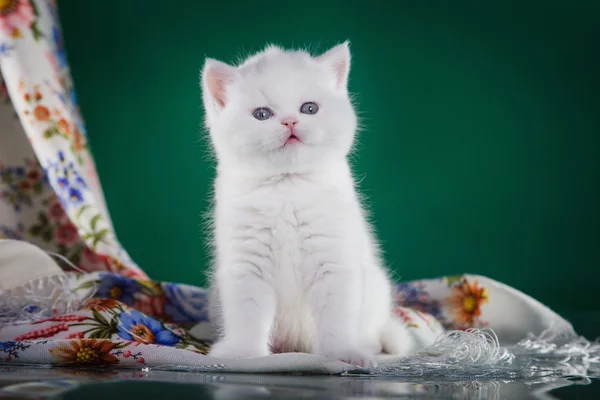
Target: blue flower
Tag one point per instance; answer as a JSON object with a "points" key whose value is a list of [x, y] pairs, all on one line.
{"points": [[5, 49], [434, 310], [20, 171], [32, 309], [75, 195], [61, 156], [185, 303], [137, 327], [117, 288], [63, 182], [6, 346], [410, 294]]}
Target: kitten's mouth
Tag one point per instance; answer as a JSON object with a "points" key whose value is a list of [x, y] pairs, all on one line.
{"points": [[292, 139]]}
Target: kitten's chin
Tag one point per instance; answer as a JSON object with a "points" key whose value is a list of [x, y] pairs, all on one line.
{"points": [[293, 158]]}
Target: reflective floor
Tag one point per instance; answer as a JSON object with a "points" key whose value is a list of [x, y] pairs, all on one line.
{"points": [[64, 383]]}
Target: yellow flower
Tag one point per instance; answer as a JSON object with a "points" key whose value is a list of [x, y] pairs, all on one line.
{"points": [[466, 301], [86, 352]]}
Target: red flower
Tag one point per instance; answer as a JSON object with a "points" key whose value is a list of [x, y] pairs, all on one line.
{"points": [[76, 335], [134, 274], [25, 185], [33, 175], [41, 113], [15, 14], [151, 305], [78, 141], [90, 256], [127, 354], [43, 333], [63, 126], [56, 211], [64, 318], [66, 234]]}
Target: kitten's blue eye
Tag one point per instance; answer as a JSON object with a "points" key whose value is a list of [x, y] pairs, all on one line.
{"points": [[262, 113], [309, 108]]}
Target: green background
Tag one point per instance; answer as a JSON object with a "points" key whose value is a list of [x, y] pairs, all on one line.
{"points": [[480, 152]]}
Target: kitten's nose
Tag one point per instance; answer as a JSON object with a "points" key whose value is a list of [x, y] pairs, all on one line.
{"points": [[290, 122]]}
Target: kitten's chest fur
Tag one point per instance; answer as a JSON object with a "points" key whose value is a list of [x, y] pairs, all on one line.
{"points": [[289, 229], [296, 222]]}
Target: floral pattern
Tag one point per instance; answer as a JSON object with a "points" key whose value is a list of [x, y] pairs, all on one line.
{"points": [[461, 308], [118, 288], [184, 305], [86, 352], [21, 184], [137, 327], [11, 349], [466, 301], [106, 331], [415, 296], [49, 190], [16, 15], [109, 319]]}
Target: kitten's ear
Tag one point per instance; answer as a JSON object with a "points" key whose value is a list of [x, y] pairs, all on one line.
{"points": [[215, 78], [337, 60]]}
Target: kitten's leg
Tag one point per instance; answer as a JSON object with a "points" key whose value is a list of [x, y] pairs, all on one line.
{"points": [[248, 310], [395, 338], [335, 298], [399, 340]]}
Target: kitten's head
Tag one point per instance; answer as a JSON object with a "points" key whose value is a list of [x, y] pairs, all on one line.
{"points": [[280, 111]]}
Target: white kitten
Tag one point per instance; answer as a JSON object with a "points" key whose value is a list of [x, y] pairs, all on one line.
{"points": [[296, 265]]}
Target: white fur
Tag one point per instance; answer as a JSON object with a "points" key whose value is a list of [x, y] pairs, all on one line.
{"points": [[296, 265]]}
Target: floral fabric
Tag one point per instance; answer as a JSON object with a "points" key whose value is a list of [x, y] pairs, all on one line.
{"points": [[129, 320], [50, 195]]}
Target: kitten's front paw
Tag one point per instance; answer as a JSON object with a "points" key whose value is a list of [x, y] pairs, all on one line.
{"points": [[350, 356], [227, 349]]}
